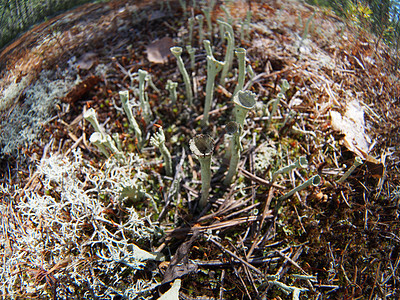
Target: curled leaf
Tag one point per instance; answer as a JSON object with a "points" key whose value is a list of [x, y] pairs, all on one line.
{"points": [[158, 51], [352, 125]]}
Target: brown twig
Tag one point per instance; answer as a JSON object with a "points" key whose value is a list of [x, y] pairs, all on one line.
{"points": [[259, 180]]}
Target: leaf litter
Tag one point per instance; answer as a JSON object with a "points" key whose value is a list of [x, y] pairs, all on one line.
{"points": [[334, 240]]}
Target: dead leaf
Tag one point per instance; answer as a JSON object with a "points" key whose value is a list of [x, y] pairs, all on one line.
{"points": [[158, 51], [87, 60], [352, 125], [180, 264]]}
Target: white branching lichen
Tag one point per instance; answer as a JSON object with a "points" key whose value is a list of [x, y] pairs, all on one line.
{"points": [[67, 219], [264, 157]]}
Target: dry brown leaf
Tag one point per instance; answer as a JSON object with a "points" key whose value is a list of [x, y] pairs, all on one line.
{"points": [[87, 60], [158, 51], [352, 125]]}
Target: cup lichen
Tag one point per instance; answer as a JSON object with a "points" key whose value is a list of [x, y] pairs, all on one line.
{"points": [[177, 51], [244, 101], [158, 140], [235, 130], [213, 67], [241, 56], [202, 147], [124, 96]]}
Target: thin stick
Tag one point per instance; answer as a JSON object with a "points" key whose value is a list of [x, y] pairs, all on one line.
{"points": [[175, 185], [287, 258], [259, 180], [266, 212], [221, 290], [237, 257]]}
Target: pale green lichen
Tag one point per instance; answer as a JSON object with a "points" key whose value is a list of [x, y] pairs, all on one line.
{"points": [[315, 181], [24, 123], [200, 19], [265, 157], [99, 137], [207, 47], [241, 55], [235, 130], [177, 51], [67, 216], [91, 116], [202, 146], [158, 140], [173, 292], [171, 88], [143, 98], [300, 163], [191, 52], [229, 35], [357, 162], [244, 101], [124, 96], [213, 67]]}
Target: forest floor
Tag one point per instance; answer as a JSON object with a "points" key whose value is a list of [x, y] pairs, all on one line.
{"points": [[334, 239]]}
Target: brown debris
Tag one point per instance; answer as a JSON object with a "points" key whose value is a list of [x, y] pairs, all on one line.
{"points": [[81, 89], [158, 51], [345, 235]]}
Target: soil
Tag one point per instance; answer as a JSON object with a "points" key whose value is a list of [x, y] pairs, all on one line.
{"points": [[334, 240]]}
